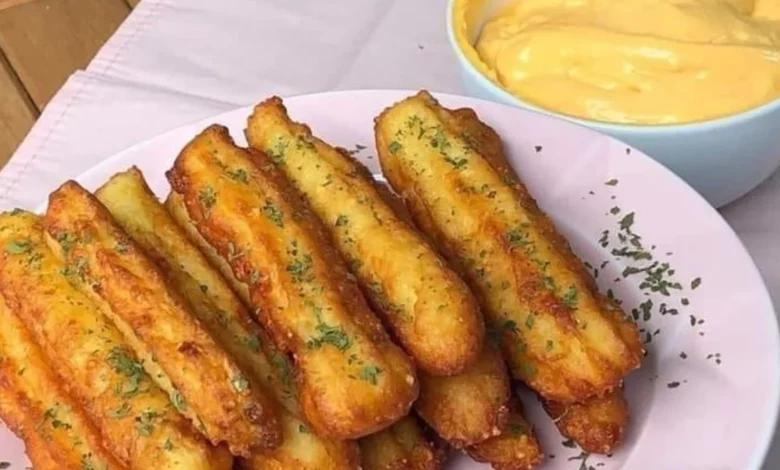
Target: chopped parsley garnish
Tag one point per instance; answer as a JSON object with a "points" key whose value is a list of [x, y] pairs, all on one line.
{"points": [[299, 269], [302, 429], [273, 213], [530, 320], [458, 163], [329, 334], [277, 152], [549, 346], [145, 423], [253, 342], [120, 412], [120, 248], [123, 363], [178, 401], [18, 247], [207, 197], [517, 237], [393, 147], [240, 383], [341, 220], [570, 297], [239, 174], [369, 373], [168, 445]]}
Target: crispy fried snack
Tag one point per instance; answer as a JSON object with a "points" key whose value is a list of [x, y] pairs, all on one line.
{"points": [[137, 421], [426, 305], [469, 407], [562, 337], [352, 379], [140, 214], [516, 448], [402, 446], [177, 352], [596, 425], [34, 404]]}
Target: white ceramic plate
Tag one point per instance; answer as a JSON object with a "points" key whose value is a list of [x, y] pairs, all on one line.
{"points": [[706, 397]]}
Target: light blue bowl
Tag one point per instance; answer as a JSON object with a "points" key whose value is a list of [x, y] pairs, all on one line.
{"points": [[722, 159]]}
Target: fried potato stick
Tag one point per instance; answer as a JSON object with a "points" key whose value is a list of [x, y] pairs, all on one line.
{"points": [[145, 219], [177, 351], [35, 405], [565, 340], [137, 421], [469, 407], [596, 425], [402, 446], [352, 379], [516, 448], [426, 305]]}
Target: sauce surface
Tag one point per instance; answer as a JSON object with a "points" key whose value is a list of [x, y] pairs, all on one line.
{"points": [[630, 61]]}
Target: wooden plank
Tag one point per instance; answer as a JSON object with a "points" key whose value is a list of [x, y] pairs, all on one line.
{"points": [[17, 112], [132, 3], [46, 40], [11, 3]]}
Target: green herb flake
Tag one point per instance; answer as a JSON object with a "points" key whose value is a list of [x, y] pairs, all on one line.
{"points": [[240, 383], [204, 288], [549, 346], [207, 197], [341, 220], [178, 401], [121, 361], [120, 412], [303, 429], [168, 445], [273, 213], [299, 269], [145, 423], [18, 247], [370, 373], [570, 297], [252, 342], [458, 163], [277, 152], [517, 429], [511, 326], [530, 320], [393, 147], [239, 174], [121, 248], [335, 336]]}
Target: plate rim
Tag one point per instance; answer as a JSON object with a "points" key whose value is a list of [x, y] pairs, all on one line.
{"points": [[761, 448]]}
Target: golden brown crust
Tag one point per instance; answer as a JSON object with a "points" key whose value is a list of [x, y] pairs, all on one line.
{"points": [[596, 425], [36, 407], [469, 407], [141, 215], [514, 449], [402, 446], [178, 352], [352, 379], [562, 337], [426, 305], [136, 419]]}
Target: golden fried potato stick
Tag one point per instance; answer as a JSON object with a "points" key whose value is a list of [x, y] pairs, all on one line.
{"points": [[36, 406], [469, 407], [352, 379], [596, 425], [138, 423], [139, 213], [402, 446], [562, 337], [516, 448], [177, 351], [427, 306]]}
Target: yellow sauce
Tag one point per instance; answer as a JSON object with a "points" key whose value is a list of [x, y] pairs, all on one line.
{"points": [[629, 61]]}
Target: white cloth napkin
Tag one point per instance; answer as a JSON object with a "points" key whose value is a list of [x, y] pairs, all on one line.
{"points": [[178, 61]]}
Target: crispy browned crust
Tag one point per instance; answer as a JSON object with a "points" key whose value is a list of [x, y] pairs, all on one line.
{"points": [[352, 379], [37, 408], [136, 419], [561, 336], [469, 407], [426, 305], [179, 354], [596, 425], [143, 217], [516, 448], [406, 445]]}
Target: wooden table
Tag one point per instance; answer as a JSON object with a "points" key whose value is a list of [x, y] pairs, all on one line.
{"points": [[41, 43]]}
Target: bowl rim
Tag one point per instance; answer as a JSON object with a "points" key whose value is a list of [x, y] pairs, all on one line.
{"points": [[714, 124]]}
